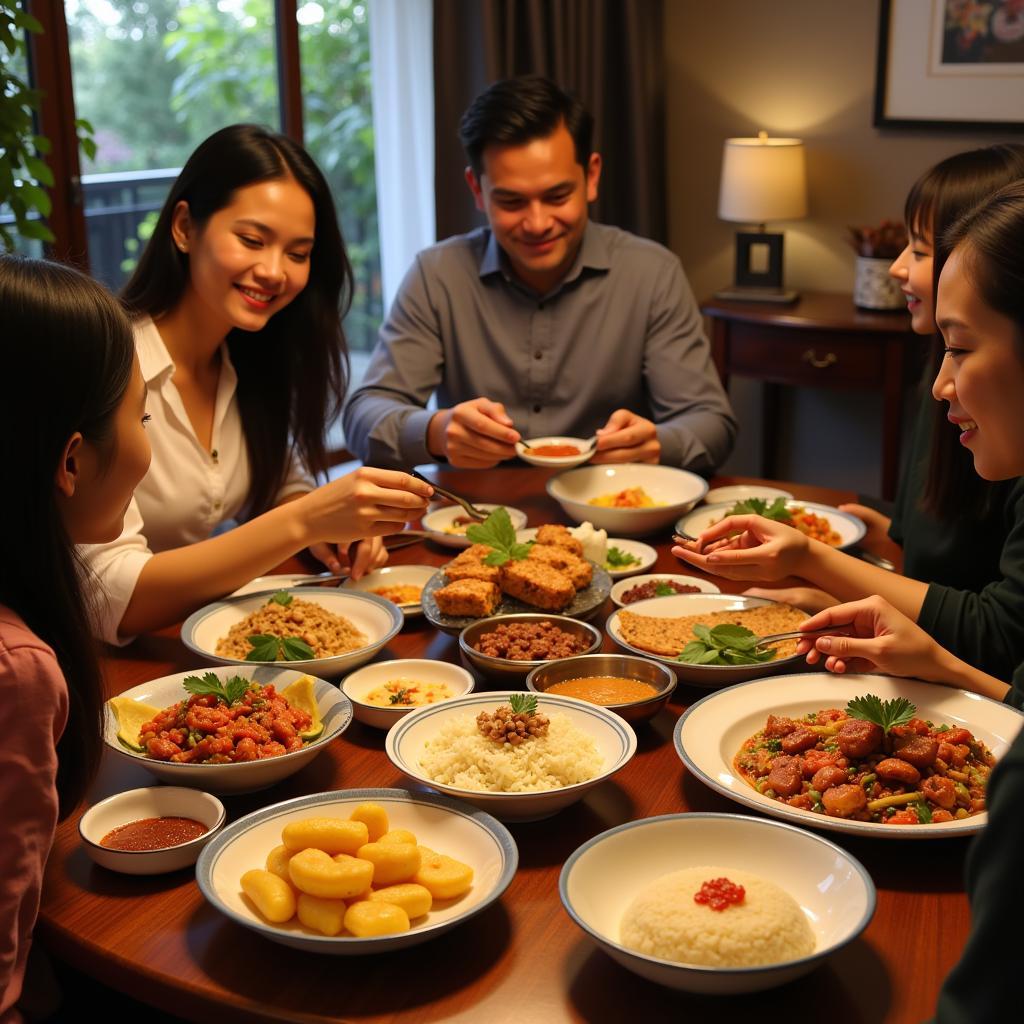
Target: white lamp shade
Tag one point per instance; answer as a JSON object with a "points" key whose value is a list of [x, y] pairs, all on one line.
{"points": [[763, 179]]}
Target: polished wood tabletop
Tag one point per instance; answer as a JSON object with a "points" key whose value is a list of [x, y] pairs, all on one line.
{"points": [[522, 959]]}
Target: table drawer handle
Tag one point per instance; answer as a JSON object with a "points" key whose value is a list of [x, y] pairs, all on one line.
{"points": [[820, 364]]}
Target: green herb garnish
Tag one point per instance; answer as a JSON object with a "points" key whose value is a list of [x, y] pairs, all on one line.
{"points": [[497, 532], [761, 507], [663, 590], [281, 597], [278, 648], [230, 691], [724, 645], [523, 703], [401, 697], [618, 559], [887, 714], [924, 814]]}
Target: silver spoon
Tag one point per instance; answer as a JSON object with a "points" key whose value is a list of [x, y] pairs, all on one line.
{"points": [[799, 634]]}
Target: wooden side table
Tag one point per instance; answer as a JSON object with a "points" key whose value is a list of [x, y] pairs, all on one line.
{"points": [[823, 341]]}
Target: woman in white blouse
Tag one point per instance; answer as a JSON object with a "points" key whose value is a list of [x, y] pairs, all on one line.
{"points": [[238, 300]]}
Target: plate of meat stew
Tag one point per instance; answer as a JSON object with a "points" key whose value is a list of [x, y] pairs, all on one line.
{"points": [[714, 740]]}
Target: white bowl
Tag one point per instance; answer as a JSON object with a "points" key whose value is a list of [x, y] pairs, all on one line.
{"points": [[443, 825], [676, 490], [601, 879], [710, 733], [740, 492], [246, 776], [851, 530], [615, 741], [437, 519], [708, 676], [369, 677], [585, 454], [377, 618], [153, 802], [394, 576], [618, 589]]}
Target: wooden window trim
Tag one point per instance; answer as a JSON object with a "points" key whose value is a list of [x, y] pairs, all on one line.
{"points": [[289, 69]]}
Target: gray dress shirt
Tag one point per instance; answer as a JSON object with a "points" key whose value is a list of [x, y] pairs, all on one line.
{"points": [[621, 330]]}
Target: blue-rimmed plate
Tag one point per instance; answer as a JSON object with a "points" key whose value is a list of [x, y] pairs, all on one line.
{"points": [[849, 528], [445, 826], [708, 737], [615, 742], [602, 878], [376, 618]]}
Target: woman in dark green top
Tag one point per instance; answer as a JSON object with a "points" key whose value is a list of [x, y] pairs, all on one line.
{"points": [[962, 537]]}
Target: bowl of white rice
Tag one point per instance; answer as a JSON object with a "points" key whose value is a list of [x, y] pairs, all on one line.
{"points": [[644, 892], [442, 747]]}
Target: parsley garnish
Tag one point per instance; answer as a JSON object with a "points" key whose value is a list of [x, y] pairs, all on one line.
{"points": [[887, 714], [278, 648], [497, 532], [618, 559], [760, 507], [401, 697], [523, 703], [724, 645], [230, 691], [662, 589], [281, 597]]}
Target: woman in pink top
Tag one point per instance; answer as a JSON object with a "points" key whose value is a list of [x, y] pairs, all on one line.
{"points": [[73, 447]]}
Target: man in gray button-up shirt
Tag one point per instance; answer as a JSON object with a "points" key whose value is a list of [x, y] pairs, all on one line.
{"points": [[542, 323]]}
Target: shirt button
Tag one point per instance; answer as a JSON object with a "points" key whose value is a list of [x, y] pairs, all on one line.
{"points": [[538, 355], [217, 505], [536, 408], [214, 454]]}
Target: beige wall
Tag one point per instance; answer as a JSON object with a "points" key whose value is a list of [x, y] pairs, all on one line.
{"points": [[804, 68]]}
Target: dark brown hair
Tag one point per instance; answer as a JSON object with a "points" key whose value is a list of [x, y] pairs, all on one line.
{"points": [[937, 199], [67, 353], [293, 373]]}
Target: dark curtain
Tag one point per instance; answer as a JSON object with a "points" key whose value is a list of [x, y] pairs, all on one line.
{"points": [[608, 52]]}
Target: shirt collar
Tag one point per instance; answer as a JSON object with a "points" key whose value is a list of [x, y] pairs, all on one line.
{"points": [[156, 363]]}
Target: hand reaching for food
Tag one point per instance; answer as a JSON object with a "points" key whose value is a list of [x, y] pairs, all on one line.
{"points": [[362, 557], [747, 548], [477, 434], [627, 437]]}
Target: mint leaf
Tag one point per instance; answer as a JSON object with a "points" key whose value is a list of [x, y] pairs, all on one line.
{"points": [[296, 649], [703, 633], [497, 532], [729, 635], [618, 559], [691, 652], [663, 590], [281, 597], [264, 648]]}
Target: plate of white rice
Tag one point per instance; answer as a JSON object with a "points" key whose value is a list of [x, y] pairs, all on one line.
{"points": [[441, 747]]}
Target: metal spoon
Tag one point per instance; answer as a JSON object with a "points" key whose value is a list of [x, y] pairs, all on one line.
{"points": [[471, 510], [799, 634]]}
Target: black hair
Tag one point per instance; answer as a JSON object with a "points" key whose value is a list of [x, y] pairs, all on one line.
{"points": [[293, 373], [938, 198], [516, 111], [67, 353]]}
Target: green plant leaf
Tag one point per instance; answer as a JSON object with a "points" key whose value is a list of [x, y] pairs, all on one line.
{"points": [[887, 714], [264, 648], [281, 597], [296, 649], [497, 532], [619, 559], [39, 171], [663, 590]]}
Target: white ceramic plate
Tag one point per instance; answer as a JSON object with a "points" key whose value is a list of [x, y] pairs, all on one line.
{"points": [[335, 711], [675, 490], [708, 676], [850, 529], [602, 878], [443, 825], [378, 619], [615, 741], [620, 588], [394, 576], [644, 552], [586, 452], [740, 492], [369, 677], [711, 732], [437, 520]]}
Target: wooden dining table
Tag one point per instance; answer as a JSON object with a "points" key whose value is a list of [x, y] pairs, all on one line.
{"points": [[522, 959]]}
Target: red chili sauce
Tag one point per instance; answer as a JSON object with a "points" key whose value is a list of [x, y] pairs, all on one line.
{"points": [[718, 893], [153, 834], [554, 451]]}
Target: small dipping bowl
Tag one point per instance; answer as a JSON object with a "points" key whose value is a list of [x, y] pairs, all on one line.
{"points": [[369, 677], [505, 670], [152, 802], [626, 666]]}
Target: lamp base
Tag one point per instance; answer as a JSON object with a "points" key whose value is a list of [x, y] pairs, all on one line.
{"points": [[736, 293]]}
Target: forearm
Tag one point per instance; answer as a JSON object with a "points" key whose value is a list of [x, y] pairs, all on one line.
{"points": [[952, 671], [698, 441], [850, 579], [175, 583]]}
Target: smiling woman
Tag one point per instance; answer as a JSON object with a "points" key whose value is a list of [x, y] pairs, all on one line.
{"points": [[238, 300]]}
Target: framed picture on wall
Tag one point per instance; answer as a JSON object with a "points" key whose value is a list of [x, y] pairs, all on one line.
{"points": [[951, 64]]}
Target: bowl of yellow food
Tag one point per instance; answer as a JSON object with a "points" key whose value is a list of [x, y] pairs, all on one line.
{"points": [[627, 500], [385, 691], [716, 903], [401, 584]]}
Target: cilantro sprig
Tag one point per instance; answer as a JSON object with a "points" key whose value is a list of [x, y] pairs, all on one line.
{"points": [[725, 645], [230, 691], [523, 703], [776, 510], [619, 559], [497, 532], [887, 714], [278, 648], [281, 597]]}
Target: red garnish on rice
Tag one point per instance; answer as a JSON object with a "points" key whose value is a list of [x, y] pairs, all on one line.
{"points": [[719, 893]]}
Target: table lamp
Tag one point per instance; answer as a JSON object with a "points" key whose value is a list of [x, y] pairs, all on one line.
{"points": [[762, 179]]}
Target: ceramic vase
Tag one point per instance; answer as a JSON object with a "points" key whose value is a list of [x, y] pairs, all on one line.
{"points": [[874, 287]]}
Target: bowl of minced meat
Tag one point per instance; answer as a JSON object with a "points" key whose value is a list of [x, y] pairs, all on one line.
{"points": [[716, 903], [325, 632]]}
